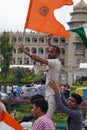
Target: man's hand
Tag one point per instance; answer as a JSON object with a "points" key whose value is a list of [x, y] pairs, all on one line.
{"points": [[21, 47], [54, 86], [49, 40]]}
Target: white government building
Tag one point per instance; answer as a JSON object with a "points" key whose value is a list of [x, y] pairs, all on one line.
{"points": [[73, 51]]}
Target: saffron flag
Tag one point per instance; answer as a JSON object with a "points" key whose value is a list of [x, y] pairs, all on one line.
{"points": [[41, 18], [82, 32], [7, 122]]}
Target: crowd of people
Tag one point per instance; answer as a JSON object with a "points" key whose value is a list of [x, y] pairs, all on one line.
{"points": [[14, 90], [56, 94]]}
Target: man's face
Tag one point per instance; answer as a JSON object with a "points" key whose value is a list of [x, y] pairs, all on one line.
{"points": [[35, 111], [52, 54], [72, 103]]}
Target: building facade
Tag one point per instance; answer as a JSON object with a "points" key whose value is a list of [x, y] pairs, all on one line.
{"points": [[73, 51]]}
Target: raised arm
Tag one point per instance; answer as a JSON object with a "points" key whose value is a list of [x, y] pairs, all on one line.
{"points": [[60, 104], [54, 86], [34, 57], [49, 40]]}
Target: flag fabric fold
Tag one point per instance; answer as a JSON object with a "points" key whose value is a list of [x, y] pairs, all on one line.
{"points": [[41, 18], [82, 32], [7, 122]]}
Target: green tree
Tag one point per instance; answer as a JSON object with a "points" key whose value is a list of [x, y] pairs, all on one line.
{"points": [[19, 73], [33, 78], [6, 52]]}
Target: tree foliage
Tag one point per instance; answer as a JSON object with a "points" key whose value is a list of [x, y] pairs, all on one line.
{"points": [[33, 78], [19, 73], [6, 52]]}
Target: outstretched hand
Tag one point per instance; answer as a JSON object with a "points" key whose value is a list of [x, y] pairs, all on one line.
{"points": [[49, 39]]}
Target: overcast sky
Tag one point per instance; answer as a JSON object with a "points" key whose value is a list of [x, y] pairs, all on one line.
{"points": [[13, 14]]}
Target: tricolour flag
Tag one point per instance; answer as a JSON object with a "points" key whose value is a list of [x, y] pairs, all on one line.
{"points": [[41, 17], [7, 122], [82, 32]]}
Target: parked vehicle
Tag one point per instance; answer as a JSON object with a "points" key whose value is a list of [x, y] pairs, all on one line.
{"points": [[28, 92]]}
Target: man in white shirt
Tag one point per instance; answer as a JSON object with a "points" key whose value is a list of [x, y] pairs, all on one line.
{"points": [[53, 73]]}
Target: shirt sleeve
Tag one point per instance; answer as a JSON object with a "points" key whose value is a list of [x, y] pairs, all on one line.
{"points": [[38, 125], [27, 118], [64, 100]]}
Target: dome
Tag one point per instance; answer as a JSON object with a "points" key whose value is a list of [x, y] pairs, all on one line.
{"points": [[80, 6]]}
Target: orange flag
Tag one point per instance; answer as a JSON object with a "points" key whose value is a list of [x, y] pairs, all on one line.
{"points": [[41, 18], [7, 122]]}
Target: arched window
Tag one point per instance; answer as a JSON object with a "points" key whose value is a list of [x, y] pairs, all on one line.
{"points": [[26, 48], [33, 62], [40, 51], [33, 50], [55, 39], [20, 39], [19, 51], [26, 61], [14, 50], [41, 39], [62, 40], [19, 61], [14, 39], [27, 39], [34, 39]]}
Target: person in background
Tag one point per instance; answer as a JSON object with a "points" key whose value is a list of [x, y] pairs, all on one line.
{"points": [[53, 71], [18, 91], [41, 88], [14, 90], [9, 90], [2, 88], [67, 91], [71, 107], [42, 120]]}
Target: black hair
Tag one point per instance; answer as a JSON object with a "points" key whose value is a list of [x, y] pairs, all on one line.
{"points": [[35, 97], [42, 103], [57, 49], [77, 97]]}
